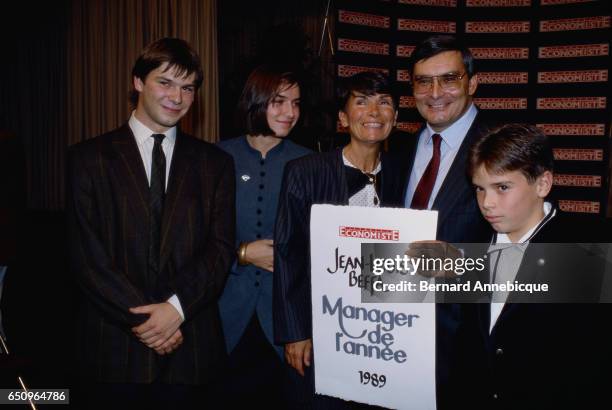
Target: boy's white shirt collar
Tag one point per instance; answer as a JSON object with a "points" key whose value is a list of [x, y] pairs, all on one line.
{"points": [[503, 238]]}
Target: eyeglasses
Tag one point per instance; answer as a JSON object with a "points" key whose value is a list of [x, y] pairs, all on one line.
{"points": [[423, 84]]}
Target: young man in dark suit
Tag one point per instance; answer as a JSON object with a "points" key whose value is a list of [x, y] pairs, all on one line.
{"points": [[151, 257]]}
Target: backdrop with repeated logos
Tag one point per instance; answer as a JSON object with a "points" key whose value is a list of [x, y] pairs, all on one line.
{"points": [[544, 62]]}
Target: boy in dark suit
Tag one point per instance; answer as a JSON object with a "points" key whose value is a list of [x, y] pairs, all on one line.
{"points": [[520, 350]]}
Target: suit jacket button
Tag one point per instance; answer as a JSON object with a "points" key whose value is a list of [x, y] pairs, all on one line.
{"points": [[541, 262], [499, 351], [256, 284], [495, 396]]}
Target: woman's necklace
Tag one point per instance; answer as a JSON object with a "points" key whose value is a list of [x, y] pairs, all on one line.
{"points": [[370, 175]]}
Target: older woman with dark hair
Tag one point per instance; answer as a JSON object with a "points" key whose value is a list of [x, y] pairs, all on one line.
{"points": [[358, 174], [268, 109]]}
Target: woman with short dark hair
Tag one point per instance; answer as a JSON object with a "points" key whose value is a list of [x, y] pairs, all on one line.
{"points": [[359, 174], [268, 109]]}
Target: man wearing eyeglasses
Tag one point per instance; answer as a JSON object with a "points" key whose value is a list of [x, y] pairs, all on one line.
{"points": [[443, 84]]}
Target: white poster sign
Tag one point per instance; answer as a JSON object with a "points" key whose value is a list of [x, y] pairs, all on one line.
{"points": [[376, 353]]}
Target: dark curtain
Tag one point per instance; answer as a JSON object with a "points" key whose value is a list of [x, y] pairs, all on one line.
{"points": [[33, 93], [66, 75], [288, 32]]}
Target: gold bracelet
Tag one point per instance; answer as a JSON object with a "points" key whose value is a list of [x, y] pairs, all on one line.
{"points": [[242, 254]]}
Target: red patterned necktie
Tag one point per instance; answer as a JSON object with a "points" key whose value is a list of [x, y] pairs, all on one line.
{"points": [[420, 200]]}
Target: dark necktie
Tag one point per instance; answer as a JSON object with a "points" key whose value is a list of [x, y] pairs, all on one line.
{"points": [[156, 202], [420, 200]]}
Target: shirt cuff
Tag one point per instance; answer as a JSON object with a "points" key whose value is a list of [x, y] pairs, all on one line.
{"points": [[174, 301]]}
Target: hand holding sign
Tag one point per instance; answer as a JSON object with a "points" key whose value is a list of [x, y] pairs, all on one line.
{"points": [[298, 354], [433, 258]]}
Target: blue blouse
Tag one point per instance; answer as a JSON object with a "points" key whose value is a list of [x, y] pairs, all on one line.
{"points": [[258, 183]]}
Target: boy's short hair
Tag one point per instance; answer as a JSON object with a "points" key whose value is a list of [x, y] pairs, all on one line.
{"points": [[179, 55], [260, 89], [367, 83], [513, 147]]}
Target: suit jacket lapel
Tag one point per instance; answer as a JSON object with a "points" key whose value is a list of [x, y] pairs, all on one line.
{"points": [[484, 320], [411, 155], [529, 272], [175, 205], [339, 175], [455, 180], [130, 175]]}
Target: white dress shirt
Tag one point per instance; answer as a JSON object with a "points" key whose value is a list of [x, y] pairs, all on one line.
{"points": [[145, 143], [452, 137], [511, 263]]}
